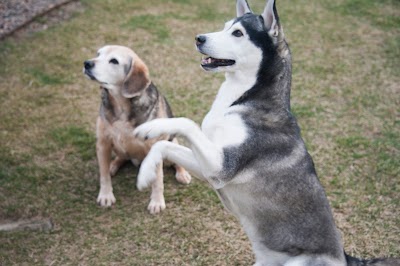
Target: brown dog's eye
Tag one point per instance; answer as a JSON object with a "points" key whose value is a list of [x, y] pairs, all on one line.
{"points": [[237, 33], [114, 61]]}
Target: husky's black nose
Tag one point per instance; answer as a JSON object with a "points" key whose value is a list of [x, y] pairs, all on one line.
{"points": [[200, 39], [88, 64]]}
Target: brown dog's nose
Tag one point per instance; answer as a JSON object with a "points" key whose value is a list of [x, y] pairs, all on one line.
{"points": [[200, 39], [88, 64]]}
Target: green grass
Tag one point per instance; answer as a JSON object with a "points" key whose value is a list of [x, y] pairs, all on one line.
{"points": [[77, 137], [345, 86], [154, 24], [392, 49], [43, 78], [379, 13]]}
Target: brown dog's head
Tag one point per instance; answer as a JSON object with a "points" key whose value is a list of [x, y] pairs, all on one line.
{"points": [[118, 68]]}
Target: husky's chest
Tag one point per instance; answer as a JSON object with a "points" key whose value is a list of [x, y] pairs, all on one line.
{"points": [[224, 124]]}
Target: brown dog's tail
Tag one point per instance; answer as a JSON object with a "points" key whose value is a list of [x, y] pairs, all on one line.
{"points": [[352, 261]]}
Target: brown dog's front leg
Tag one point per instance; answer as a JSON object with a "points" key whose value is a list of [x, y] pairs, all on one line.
{"points": [[157, 201], [103, 149]]}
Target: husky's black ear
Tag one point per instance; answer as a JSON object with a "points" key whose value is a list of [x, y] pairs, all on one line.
{"points": [[137, 79], [271, 20], [242, 7]]}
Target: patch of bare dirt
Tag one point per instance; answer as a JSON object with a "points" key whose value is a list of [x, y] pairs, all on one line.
{"points": [[21, 17]]}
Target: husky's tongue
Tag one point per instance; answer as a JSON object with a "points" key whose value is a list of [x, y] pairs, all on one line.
{"points": [[211, 62]]}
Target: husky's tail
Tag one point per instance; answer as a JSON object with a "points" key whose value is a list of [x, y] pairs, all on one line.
{"points": [[351, 261]]}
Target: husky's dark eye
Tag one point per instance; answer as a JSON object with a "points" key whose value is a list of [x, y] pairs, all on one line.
{"points": [[237, 33], [114, 61]]}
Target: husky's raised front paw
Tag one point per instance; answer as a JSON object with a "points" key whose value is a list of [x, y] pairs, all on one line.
{"points": [[147, 174], [152, 129], [106, 197]]}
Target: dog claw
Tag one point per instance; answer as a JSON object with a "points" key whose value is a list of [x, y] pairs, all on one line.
{"points": [[106, 199], [156, 206]]}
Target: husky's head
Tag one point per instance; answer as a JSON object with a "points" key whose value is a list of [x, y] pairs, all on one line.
{"points": [[245, 42]]}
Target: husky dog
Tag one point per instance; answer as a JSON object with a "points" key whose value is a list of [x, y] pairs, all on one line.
{"points": [[249, 147]]}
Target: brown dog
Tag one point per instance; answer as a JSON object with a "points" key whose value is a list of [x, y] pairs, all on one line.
{"points": [[128, 99]]}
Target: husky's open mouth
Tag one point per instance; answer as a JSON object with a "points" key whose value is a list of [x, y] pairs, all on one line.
{"points": [[211, 62]]}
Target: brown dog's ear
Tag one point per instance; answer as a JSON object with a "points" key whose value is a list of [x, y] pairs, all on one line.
{"points": [[136, 80]]}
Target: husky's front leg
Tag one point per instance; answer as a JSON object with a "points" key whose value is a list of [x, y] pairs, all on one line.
{"points": [[204, 159], [165, 150]]}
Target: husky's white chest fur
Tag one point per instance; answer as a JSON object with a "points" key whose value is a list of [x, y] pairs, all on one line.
{"points": [[223, 124]]}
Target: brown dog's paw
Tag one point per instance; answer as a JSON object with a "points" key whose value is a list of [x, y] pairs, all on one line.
{"points": [[156, 206], [106, 198], [183, 176], [116, 164]]}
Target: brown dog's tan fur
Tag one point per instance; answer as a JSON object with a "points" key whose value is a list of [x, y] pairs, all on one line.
{"points": [[129, 99]]}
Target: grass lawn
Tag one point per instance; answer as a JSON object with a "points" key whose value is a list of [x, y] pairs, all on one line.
{"points": [[345, 94]]}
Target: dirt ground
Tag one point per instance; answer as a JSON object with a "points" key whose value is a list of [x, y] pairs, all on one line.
{"points": [[21, 17]]}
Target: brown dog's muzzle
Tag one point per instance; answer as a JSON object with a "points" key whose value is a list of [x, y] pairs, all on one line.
{"points": [[88, 64]]}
